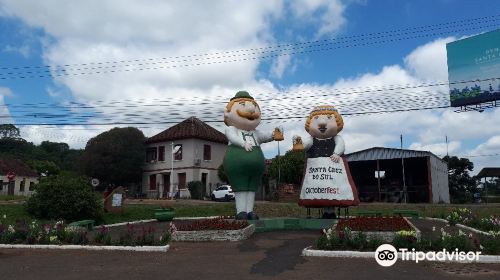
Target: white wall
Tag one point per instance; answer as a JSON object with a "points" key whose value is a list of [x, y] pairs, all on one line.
{"points": [[17, 185], [439, 178], [192, 163]]}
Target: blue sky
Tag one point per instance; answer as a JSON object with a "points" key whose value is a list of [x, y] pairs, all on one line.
{"points": [[37, 33]]}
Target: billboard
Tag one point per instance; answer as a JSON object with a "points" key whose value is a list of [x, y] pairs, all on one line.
{"points": [[475, 60]]}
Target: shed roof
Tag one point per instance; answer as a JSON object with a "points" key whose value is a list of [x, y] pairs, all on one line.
{"points": [[189, 128], [489, 172], [16, 166], [387, 153]]}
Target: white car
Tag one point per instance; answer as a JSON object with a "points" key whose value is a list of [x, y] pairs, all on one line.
{"points": [[223, 192]]}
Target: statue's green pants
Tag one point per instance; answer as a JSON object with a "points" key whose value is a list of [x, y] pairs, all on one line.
{"points": [[244, 169]]}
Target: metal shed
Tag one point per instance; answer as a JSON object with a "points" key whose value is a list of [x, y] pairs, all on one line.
{"points": [[378, 174]]}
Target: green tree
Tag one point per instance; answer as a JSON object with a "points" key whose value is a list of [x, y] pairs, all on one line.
{"points": [[291, 167], [196, 189], [221, 173], [47, 167], [115, 156], [9, 131], [65, 197], [462, 185]]}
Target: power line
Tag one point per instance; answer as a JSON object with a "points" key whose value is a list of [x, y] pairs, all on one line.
{"points": [[221, 121], [63, 72], [312, 42], [267, 96]]}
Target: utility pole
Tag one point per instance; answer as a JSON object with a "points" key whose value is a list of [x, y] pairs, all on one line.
{"points": [[405, 191], [447, 146], [170, 189]]}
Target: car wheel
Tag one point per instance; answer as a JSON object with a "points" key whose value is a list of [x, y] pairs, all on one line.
{"points": [[213, 197], [227, 197]]}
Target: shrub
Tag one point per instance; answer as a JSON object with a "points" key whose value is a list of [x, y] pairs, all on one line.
{"points": [[64, 197], [196, 189], [491, 244], [460, 216], [405, 239], [103, 236]]}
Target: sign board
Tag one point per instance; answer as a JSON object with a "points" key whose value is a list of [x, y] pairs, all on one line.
{"points": [[327, 184], [117, 200], [475, 60], [114, 201]]}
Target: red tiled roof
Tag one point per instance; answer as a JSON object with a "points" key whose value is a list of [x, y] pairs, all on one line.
{"points": [[189, 128], [16, 166]]}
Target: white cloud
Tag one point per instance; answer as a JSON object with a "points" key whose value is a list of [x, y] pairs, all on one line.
{"points": [[428, 62], [486, 154], [4, 91], [280, 65], [439, 149], [331, 14], [5, 116], [23, 50]]}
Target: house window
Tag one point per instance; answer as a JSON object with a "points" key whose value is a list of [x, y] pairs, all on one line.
{"points": [[161, 153], [178, 155], [151, 154], [207, 152], [152, 182], [32, 186], [21, 186]]}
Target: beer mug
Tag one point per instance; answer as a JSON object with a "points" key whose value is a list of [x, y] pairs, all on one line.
{"points": [[297, 144], [278, 135]]}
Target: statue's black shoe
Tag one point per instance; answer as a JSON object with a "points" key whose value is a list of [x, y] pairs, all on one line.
{"points": [[242, 216], [252, 216]]}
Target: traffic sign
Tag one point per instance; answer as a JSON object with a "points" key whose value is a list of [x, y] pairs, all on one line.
{"points": [[95, 182]]}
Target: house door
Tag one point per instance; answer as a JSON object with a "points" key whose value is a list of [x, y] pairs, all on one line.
{"points": [[11, 187], [204, 182], [166, 183], [182, 180]]}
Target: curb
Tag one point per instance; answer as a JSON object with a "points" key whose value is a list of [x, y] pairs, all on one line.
{"points": [[307, 252], [89, 247], [473, 229], [154, 220], [461, 226], [125, 223]]}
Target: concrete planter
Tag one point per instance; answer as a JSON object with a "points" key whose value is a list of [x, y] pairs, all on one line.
{"points": [[164, 214], [214, 235], [89, 247], [386, 236]]}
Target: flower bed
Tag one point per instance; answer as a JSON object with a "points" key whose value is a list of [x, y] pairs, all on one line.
{"points": [[219, 223], [439, 239], [376, 228], [215, 229], [465, 217], [374, 224], [59, 233]]}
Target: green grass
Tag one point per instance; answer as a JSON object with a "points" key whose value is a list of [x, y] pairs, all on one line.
{"points": [[133, 212], [144, 212], [14, 212], [11, 197]]}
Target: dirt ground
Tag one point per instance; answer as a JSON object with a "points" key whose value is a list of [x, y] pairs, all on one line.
{"points": [[271, 255]]}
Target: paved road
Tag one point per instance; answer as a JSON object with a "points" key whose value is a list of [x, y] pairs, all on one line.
{"points": [[274, 255]]}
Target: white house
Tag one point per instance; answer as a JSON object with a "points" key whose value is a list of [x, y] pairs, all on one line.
{"points": [[200, 152], [23, 182]]}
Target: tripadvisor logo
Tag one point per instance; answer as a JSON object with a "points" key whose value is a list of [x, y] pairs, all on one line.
{"points": [[386, 255]]}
